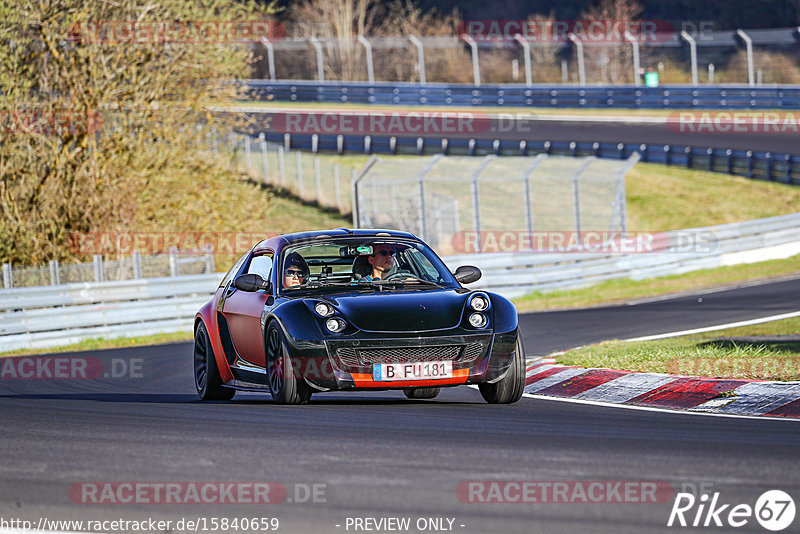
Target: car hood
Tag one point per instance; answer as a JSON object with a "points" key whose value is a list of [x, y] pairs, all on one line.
{"points": [[397, 311]]}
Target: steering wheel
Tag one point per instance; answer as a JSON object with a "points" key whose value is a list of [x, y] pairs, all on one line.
{"points": [[402, 274]]}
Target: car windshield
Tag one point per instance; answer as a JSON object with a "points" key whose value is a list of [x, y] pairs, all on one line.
{"points": [[363, 264]]}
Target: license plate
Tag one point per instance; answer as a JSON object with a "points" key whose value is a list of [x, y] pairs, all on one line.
{"points": [[386, 372]]}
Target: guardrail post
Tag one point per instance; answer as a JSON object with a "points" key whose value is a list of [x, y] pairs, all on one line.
{"points": [[768, 157], [420, 57], [282, 166], [788, 159], [526, 46], [54, 278], [729, 162], [688, 151], [581, 66], [340, 144], [636, 78], [667, 151], [314, 143], [270, 57], [749, 46], [264, 163], [320, 66], [471, 147], [97, 260], [368, 49], [476, 68], [420, 146], [643, 149], [8, 279], [693, 52], [137, 265], [173, 263], [287, 142], [573, 149], [710, 160], [749, 163], [596, 149], [711, 69], [547, 147]]}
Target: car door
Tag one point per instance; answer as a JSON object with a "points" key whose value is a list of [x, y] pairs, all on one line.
{"points": [[243, 309]]}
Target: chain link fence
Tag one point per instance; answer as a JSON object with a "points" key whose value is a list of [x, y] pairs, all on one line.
{"points": [[445, 199]]}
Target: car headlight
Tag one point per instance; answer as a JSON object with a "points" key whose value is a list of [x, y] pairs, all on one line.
{"points": [[323, 310], [478, 320], [335, 325], [479, 303]]}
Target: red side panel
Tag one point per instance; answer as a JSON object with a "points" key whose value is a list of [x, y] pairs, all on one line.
{"points": [[208, 314]]}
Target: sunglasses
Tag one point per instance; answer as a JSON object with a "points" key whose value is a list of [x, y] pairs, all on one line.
{"points": [[293, 272], [384, 253]]}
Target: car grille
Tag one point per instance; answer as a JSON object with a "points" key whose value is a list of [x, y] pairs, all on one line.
{"points": [[354, 357]]}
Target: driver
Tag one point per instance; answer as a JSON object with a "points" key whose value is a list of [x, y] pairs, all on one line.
{"points": [[295, 270], [382, 261]]}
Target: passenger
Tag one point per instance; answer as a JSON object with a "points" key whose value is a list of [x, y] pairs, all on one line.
{"points": [[295, 270]]}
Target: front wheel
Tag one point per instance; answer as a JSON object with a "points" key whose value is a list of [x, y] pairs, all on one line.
{"points": [[508, 389], [206, 373], [285, 386], [422, 393]]}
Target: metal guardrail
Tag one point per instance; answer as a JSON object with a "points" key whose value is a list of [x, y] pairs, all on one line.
{"points": [[770, 166], [540, 96], [517, 274], [47, 316]]}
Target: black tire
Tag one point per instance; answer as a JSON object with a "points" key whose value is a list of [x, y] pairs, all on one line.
{"points": [[508, 389], [206, 373], [422, 393], [286, 388]]}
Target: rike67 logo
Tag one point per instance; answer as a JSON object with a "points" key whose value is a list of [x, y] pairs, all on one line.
{"points": [[774, 510]]}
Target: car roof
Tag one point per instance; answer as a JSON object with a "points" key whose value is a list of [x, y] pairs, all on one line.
{"points": [[288, 239]]}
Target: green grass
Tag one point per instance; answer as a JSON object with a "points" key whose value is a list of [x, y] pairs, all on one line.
{"points": [[767, 351], [101, 343], [624, 290]]}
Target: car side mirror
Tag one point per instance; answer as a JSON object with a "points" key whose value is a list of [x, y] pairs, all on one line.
{"points": [[466, 274], [250, 282]]}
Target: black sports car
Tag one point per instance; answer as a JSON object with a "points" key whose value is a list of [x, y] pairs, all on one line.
{"points": [[354, 310]]}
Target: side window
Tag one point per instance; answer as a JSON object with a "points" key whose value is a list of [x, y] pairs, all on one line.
{"points": [[233, 271], [261, 265]]}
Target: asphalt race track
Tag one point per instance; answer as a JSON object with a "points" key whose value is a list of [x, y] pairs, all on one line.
{"points": [[380, 455]]}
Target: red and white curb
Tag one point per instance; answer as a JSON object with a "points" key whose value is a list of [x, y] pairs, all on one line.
{"points": [[657, 390]]}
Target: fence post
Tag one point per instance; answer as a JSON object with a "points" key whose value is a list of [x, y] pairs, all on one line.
{"points": [[420, 57], [693, 53], [354, 189], [97, 259], [282, 166], [8, 279], [476, 201], [526, 46], [264, 162], [270, 57], [320, 66], [581, 66], [299, 159], [54, 278], [210, 260], [637, 81], [749, 45], [576, 199], [476, 68], [137, 265], [368, 49], [173, 264], [336, 190], [527, 196], [318, 178]]}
